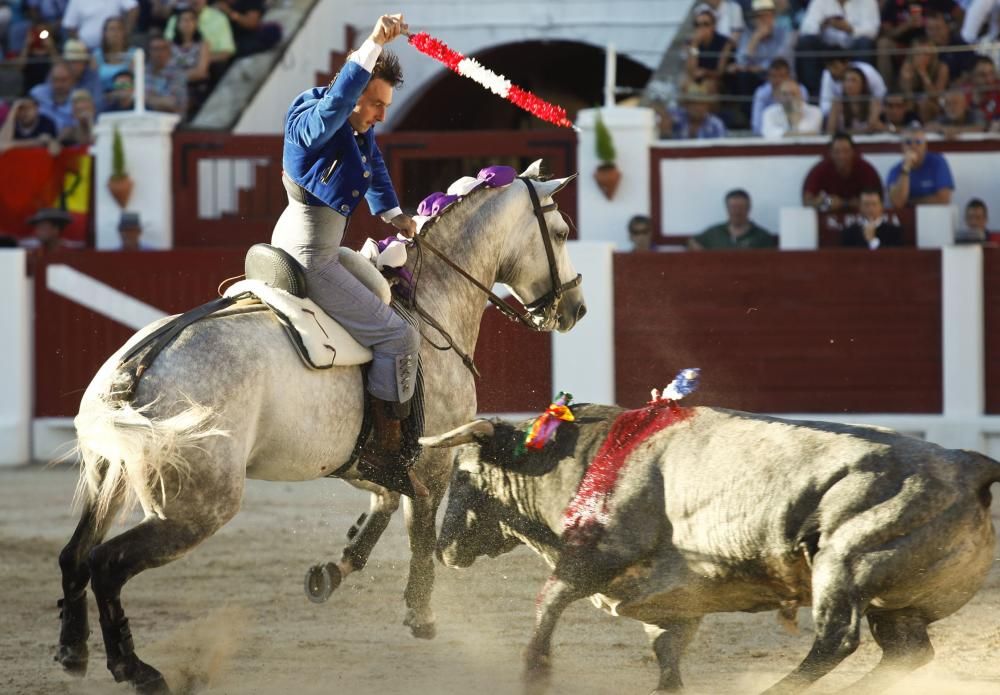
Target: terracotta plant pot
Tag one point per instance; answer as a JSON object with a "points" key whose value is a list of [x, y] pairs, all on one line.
{"points": [[608, 177], [120, 188]]}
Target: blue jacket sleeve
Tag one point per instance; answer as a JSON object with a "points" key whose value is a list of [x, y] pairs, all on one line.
{"points": [[381, 196], [317, 114]]}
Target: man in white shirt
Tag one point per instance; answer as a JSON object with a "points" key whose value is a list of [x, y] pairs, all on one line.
{"points": [[978, 13], [848, 24], [766, 94], [85, 18], [791, 115], [831, 84]]}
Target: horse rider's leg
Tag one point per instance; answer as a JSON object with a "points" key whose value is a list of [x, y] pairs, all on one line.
{"points": [[420, 513], [75, 628], [152, 543]]}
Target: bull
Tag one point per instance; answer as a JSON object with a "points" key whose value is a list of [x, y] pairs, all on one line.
{"points": [[728, 511]]}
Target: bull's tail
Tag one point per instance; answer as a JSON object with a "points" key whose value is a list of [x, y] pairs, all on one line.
{"points": [[126, 453]]}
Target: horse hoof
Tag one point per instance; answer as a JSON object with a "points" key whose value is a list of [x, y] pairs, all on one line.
{"points": [[73, 658], [421, 631], [150, 682], [321, 581]]}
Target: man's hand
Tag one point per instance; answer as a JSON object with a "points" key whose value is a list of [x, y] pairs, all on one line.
{"points": [[405, 224], [909, 160], [388, 27]]}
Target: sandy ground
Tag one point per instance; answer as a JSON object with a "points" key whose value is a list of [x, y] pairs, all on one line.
{"points": [[231, 617]]}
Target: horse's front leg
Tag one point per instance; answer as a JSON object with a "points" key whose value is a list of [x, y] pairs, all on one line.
{"points": [[420, 514]]}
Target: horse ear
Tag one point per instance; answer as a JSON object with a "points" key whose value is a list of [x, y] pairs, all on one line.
{"points": [[547, 189], [475, 431], [533, 171]]}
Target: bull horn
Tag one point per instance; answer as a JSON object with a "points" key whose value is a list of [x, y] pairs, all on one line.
{"points": [[475, 431]]}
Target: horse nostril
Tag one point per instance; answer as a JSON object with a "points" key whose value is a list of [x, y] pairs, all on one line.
{"points": [[581, 311]]}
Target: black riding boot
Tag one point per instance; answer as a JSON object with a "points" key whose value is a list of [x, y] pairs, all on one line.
{"points": [[382, 459]]}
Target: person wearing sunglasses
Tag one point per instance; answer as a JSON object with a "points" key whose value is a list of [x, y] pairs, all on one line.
{"points": [[708, 51], [922, 177]]}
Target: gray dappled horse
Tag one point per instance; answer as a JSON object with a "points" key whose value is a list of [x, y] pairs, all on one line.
{"points": [[229, 400]]}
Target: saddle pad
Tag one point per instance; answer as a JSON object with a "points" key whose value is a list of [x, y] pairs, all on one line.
{"points": [[323, 342]]}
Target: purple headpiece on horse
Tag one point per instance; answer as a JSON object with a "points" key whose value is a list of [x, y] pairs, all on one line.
{"points": [[490, 177]]}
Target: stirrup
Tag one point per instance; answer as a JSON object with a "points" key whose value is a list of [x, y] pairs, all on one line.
{"points": [[392, 477]]}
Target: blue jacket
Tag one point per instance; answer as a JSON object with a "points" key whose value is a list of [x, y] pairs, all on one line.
{"points": [[322, 155]]}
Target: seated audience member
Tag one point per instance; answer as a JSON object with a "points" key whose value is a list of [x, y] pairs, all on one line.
{"points": [[46, 228], [922, 177], [26, 126], [898, 112], [38, 54], [791, 115], [757, 48], [192, 55], [976, 219], [166, 83], [835, 183], [957, 117], [81, 131], [693, 120], [76, 57], [708, 51], [832, 82], [738, 231], [856, 110], [48, 12], [121, 97], [153, 15], [85, 19], [250, 33], [847, 24], [640, 233], [115, 54], [873, 228], [53, 96], [984, 90], [939, 33], [728, 18], [215, 30], [130, 229], [923, 77], [767, 93], [902, 22], [980, 15]]}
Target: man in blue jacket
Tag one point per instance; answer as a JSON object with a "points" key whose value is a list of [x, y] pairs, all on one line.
{"points": [[330, 162]]}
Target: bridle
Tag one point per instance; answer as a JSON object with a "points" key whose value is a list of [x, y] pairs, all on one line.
{"points": [[542, 311]]}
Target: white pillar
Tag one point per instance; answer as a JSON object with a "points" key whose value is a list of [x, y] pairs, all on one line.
{"points": [[936, 226], [17, 356], [148, 142], [798, 229], [583, 360], [633, 131]]}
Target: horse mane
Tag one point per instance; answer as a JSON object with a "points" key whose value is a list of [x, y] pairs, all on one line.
{"points": [[462, 204]]}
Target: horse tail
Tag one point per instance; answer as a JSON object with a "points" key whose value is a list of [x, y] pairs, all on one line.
{"points": [[126, 453]]}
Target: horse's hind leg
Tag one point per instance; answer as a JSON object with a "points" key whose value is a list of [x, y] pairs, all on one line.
{"points": [[75, 628], [902, 635]]}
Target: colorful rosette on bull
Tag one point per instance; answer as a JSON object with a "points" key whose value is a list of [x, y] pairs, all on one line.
{"points": [[685, 383], [545, 425]]}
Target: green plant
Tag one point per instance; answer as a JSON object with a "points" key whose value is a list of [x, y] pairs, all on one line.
{"points": [[604, 143], [118, 167]]}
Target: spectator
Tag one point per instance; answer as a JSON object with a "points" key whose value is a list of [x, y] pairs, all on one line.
{"points": [[252, 35], [708, 51], [47, 12], [923, 78], [922, 177], [46, 227], [848, 24], [693, 120], [832, 80], [957, 116], [757, 49], [166, 83], [85, 19], [121, 96], [115, 54], [765, 95], [976, 219], [192, 55], [77, 58], [873, 228], [26, 126], [215, 31], [835, 183], [37, 55], [980, 14], [940, 34], [898, 112], [728, 18], [984, 90], [53, 96], [738, 231], [640, 233], [154, 14], [81, 131], [902, 22], [855, 111], [130, 229], [791, 115]]}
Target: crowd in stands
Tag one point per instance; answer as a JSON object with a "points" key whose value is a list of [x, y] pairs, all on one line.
{"points": [[784, 67]]}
